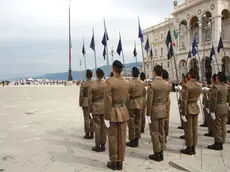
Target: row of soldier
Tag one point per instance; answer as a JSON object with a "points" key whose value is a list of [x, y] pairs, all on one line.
{"points": [[108, 105]]}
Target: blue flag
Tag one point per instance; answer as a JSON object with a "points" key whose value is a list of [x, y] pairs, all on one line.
{"points": [[212, 53], [170, 52], [105, 39], [194, 46], [104, 52], [119, 47], [169, 45], [140, 34], [92, 43], [83, 50], [147, 45], [220, 45]]}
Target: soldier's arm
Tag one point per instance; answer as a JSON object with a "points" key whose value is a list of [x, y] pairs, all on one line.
{"points": [[107, 101], [90, 99], [150, 95], [184, 95], [228, 97], [214, 99], [81, 95]]}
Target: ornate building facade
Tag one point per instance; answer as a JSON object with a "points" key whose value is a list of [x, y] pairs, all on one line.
{"points": [[205, 20]]}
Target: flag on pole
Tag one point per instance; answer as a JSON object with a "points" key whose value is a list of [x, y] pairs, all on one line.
{"points": [[105, 39], [151, 53], [140, 33], [175, 34], [104, 52], [92, 43], [212, 53], [83, 49], [169, 44], [220, 45], [119, 47], [194, 47], [147, 45], [70, 49], [135, 50]]}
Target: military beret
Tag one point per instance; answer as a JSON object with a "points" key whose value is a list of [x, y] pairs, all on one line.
{"points": [[118, 64]]}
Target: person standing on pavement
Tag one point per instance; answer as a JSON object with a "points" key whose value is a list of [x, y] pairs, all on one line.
{"points": [[143, 115], [219, 111], [84, 103], [116, 116], [135, 107], [157, 94], [165, 76], [190, 96], [96, 107]]}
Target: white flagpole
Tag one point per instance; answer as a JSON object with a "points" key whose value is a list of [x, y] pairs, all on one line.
{"points": [[95, 56], [142, 49]]}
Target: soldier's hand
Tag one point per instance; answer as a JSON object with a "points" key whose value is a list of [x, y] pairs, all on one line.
{"points": [[207, 109], [149, 119], [91, 116], [107, 123], [213, 116], [183, 118]]}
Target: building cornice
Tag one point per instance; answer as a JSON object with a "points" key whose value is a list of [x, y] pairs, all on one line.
{"points": [[186, 5]]}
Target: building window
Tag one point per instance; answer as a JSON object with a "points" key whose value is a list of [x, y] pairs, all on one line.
{"points": [[162, 35], [155, 52], [162, 52], [162, 65], [147, 67], [168, 64]]}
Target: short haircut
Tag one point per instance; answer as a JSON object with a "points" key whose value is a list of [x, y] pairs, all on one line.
{"points": [[221, 77], [193, 73], [117, 66], [142, 76], [158, 70], [214, 77], [89, 74], [111, 74], [165, 75], [135, 72], [100, 73], [117, 69]]}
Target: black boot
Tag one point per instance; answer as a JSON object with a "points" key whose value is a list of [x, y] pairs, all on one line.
{"points": [[187, 151], [228, 131], [182, 137], [156, 157], [209, 134], [91, 135], [215, 146], [87, 136], [131, 143], [193, 150], [136, 142], [102, 148], [112, 165], [120, 165], [162, 155], [96, 148], [142, 130], [180, 127], [203, 125]]}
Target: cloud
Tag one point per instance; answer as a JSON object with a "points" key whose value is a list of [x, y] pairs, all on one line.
{"points": [[34, 33]]}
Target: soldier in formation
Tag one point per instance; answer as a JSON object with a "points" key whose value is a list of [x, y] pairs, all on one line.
{"points": [[157, 94], [96, 107], [84, 103], [190, 95], [135, 107], [143, 77], [116, 116], [219, 111]]}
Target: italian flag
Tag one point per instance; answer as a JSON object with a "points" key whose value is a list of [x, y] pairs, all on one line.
{"points": [[175, 37]]}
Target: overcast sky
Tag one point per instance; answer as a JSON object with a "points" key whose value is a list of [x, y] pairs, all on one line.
{"points": [[34, 33]]}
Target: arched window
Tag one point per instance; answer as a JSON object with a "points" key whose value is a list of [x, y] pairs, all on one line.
{"points": [[225, 24]]}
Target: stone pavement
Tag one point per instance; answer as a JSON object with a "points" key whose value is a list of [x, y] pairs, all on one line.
{"points": [[41, 130]]}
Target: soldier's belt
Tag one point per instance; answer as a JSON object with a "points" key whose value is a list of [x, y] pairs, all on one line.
{"points": [[221, 102], [98, 100], [118, 105], [159, 103], [135, 98], [192, 101]]}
